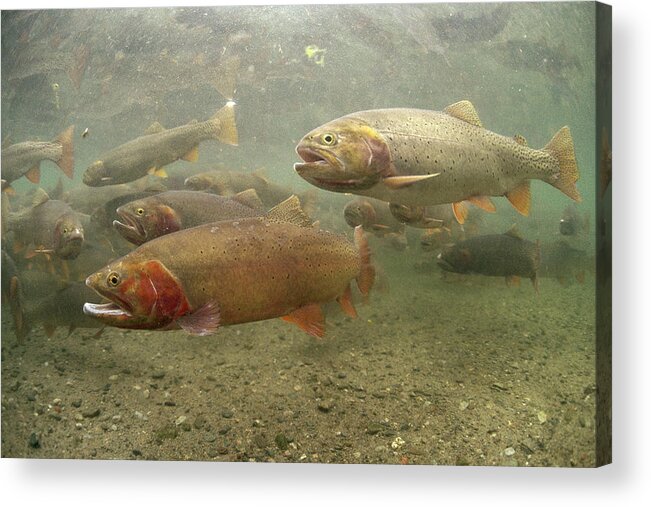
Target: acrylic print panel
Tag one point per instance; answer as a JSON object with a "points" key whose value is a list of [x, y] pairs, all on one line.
{"points": [[325, 233]]}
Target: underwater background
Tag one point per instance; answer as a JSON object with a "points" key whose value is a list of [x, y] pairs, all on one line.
{"points": [[454, 370]]}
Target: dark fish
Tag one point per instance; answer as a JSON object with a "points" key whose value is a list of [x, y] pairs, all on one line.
{"points": [[142, 220], [507, 255], [572, 224], [561, 261], [233, 272], [419, 157], [50, 227], [148, 154], [12, 294], [24, 159]]}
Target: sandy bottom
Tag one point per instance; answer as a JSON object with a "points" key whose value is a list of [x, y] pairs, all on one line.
{"points": [[434, 371]]}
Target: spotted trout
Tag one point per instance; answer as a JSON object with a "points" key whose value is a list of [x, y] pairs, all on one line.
{"points": [[232, 272], [148, 154], [24, 159], [156, 215], [419, 157]]}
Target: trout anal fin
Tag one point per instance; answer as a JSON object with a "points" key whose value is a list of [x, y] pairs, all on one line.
{"points": [[309, 318]]}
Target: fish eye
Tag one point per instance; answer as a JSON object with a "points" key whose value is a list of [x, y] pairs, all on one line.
{"points": [[328, 139], [140, 211], [113, 279], [65, 230]]}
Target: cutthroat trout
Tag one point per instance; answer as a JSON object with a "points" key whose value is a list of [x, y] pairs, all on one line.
{"points": [[419, 157], [159, 147], [232, 272], [167, 212], [24, 159]]}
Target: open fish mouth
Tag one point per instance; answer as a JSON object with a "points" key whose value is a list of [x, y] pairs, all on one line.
{"points": [[106, 310], [130, 229]]}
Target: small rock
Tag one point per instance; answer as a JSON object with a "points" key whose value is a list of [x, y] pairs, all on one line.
{"points": [[463, 405], [113, 377], [209, 437], [158, 374], [374, 428], [227, 414], [136, 452], [169, 403], [224, 430], [199, 422], [180, 420], [341, 374], [542, 417], [281, 442], [76, 403], [34, 441], [90, 413], [509, 451], [325, 406]]}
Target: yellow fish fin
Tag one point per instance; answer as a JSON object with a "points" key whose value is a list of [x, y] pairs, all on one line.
{"points": [[192, 155]]}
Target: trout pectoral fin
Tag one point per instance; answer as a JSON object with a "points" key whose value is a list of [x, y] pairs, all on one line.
{"points": [[346, 303], [309, 318], [203, 321], [398, 182], [460, 211], [520, 198], [192, 155], [513, 281], [34, 174]]}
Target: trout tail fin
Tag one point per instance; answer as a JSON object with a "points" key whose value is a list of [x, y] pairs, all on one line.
{"points": [[561, 147], [224, 122], [67, 160], [366, 275]]}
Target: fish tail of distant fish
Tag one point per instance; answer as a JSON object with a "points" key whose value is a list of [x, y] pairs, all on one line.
{"points": [[67, 160], [224, 122], [366, 275], [561, 147]]}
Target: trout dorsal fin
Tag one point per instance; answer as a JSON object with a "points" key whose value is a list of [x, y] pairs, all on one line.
{"points": [[154, 128], [40, 196], [465, 111], [289, 211], [513, 232], [249, 198]]}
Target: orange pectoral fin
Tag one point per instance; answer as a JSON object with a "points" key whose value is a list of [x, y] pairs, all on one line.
{"points": [[346, 303], [309, 318], [460, 211], [34, 174]]}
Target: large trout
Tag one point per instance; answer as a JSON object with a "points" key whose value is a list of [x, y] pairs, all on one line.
{"points": [[419, 157], [232, 272]]}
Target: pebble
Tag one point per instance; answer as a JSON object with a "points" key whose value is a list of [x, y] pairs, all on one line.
{"points": [[509, 451], [76, 403], [90, 413], [209, 437], [463, 405], [34, 441], [542, 417], [282, 442], [180, 420], [227, 414], [325, 406], [158, 374], [113, 377], [374, 428], [199, 422]]}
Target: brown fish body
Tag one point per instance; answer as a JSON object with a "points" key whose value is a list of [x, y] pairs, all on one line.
{"points": [[155, 150], [506, 255], [258, 270], [144, 219], [232, 272], [23, 159]]}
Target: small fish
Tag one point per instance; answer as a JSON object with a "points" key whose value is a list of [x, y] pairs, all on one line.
{"points": [[145, 219], [507, 255], [148, 154], [24, 159], [422, 217], [571, 223], [419, 157], [374, 217], [232, 272], [50, 227]]}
